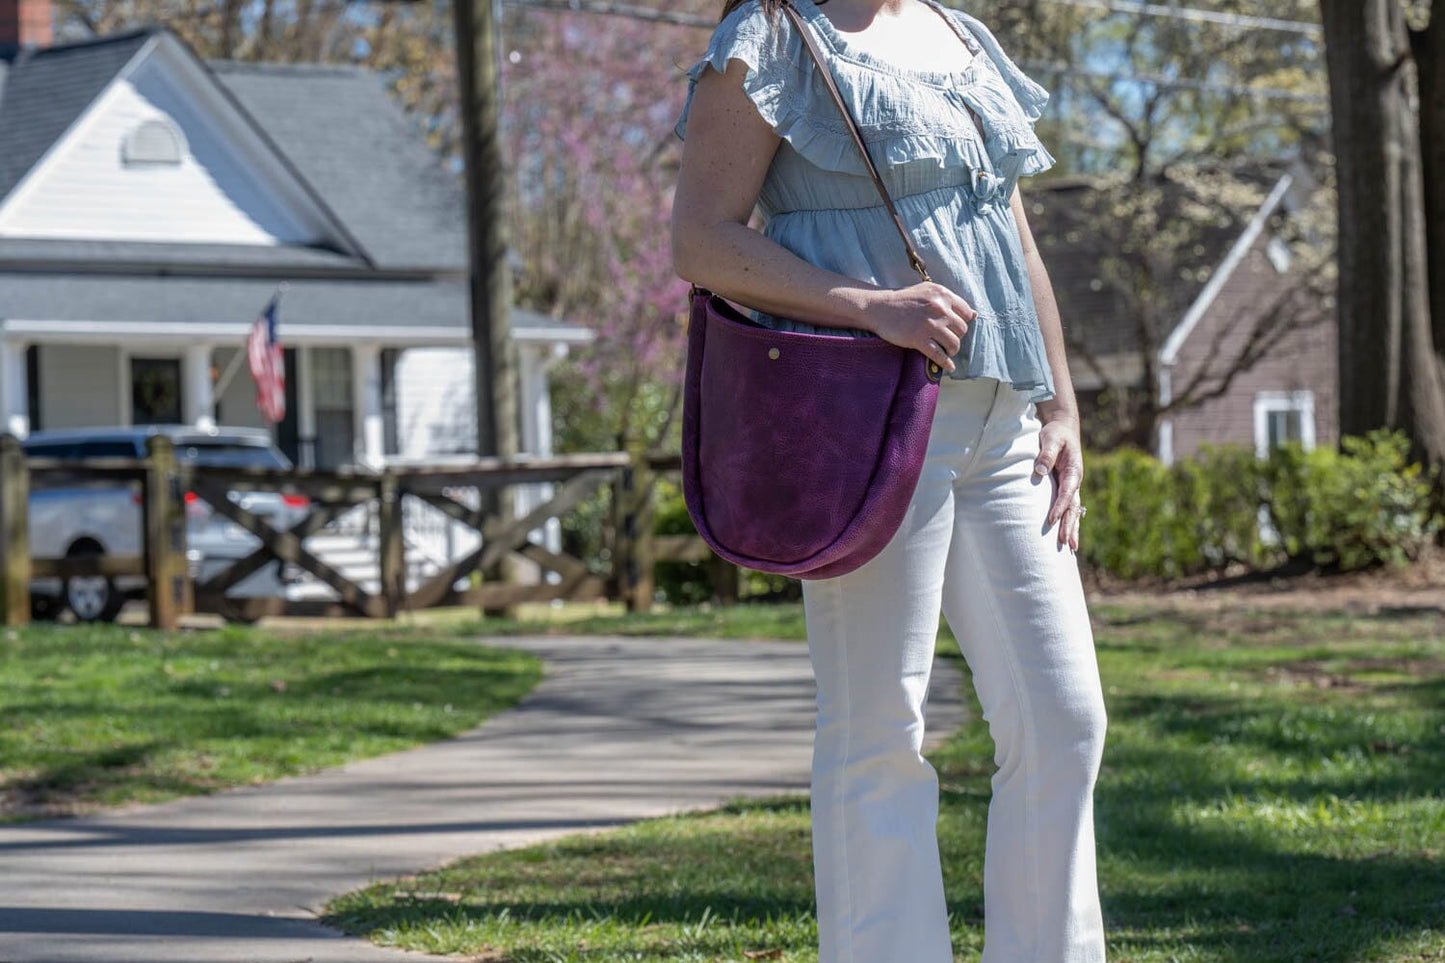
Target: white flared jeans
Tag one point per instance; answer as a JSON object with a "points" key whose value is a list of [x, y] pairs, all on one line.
{"points": [[975, 544]]}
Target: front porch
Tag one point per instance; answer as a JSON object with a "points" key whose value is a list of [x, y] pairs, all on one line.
{"points": [[351, 402]]}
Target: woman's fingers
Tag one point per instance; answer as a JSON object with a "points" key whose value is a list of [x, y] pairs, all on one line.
{"points": [[1059, 453]]}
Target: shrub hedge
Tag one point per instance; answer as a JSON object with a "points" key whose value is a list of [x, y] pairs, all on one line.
{"points": [[1365, 504]]}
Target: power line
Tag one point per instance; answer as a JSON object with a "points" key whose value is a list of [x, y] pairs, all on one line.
{"points": [[1196, 15], [632, 11], [1183, 83], [1199, 16]]}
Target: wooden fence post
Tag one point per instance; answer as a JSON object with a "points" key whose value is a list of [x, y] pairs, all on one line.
{"points": [[390, 543], [644, 555], [632, 545], [623, 566], [164, 522], [725, 579], [14, 533]]}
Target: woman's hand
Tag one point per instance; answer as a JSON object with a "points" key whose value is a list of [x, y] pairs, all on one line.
{"points": [[926, 316], [1061, 452]]}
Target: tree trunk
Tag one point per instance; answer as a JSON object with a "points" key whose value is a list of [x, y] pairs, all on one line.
{"points": [[1429, 49], [1391, 372]]}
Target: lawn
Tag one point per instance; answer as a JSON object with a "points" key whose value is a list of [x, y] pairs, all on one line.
{"points": [[94, 716], [1272, 791]]}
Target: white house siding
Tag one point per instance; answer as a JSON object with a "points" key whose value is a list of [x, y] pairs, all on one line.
{"points": [[236, 406], [435, 402], [79, 385], [436, 416], [86, 190]]}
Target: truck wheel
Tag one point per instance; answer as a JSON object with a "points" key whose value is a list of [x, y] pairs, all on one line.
{"points": [[93, 598]]}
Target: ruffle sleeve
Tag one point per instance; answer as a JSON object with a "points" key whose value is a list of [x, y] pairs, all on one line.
{"points": [[783, 83], [906, 117], [779, 80], [1013, 145]]}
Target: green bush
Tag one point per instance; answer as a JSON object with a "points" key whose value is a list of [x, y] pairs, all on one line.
{"points": [[681, 583], [686, 583], [1362, 505]]}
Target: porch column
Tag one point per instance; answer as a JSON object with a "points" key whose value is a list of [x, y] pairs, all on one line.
{"points": [[305, 406], [200, 394], [534, 363], [366, 396], [14, 393]]}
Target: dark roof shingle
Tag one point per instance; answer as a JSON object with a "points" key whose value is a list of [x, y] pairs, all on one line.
{"points": [[47, 89], [334, 125], [360, 152]]}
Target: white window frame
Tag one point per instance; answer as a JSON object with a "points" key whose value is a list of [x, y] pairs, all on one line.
{"points": [[1269, 402]]}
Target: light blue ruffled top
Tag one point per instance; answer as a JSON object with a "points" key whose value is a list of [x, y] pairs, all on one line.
{"points": [[950, 184]]}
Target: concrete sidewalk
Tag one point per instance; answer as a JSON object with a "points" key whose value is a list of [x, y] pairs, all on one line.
{"points": [[620, 729]]}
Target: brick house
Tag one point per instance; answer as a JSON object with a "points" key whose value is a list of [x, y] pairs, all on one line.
{"points": [[1242, 277]]}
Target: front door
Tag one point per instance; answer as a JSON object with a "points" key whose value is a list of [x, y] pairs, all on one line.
{"points": [[155, 391]]}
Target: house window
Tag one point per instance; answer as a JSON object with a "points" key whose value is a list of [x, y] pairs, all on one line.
{"points": [[152, 142], [1281, 417], [332, 397]]}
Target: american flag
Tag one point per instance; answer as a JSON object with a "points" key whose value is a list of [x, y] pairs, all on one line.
{"points": [[268, 364]]}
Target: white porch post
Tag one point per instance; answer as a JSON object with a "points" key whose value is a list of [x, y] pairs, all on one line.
{"points": [[200, 397], [366, 396], [535, 361], [305, 406], [14, 393]]}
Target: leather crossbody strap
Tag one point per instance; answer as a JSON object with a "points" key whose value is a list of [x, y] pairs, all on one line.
{"points": [[811, 43]]}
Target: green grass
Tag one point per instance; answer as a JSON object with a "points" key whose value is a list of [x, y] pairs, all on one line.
{"points": [[94, 716], [1272, 791], [746, 621]]}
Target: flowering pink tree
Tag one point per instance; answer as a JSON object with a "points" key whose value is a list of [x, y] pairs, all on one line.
{"points": [[589, 106]]}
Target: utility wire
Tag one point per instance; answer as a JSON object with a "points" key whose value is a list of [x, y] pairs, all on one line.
{"points": [[1201, 16], [633, 11], [1239, 20]]}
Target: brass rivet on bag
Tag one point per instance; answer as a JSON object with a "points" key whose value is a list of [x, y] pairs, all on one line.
{"points": [[774, 353]]}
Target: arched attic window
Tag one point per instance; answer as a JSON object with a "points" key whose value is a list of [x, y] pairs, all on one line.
{"points": [[152, 142]]}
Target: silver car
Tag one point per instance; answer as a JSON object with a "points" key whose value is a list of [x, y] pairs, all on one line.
{"points": [[104, 517]]}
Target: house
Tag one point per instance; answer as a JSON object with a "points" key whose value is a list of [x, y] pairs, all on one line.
{"points": [[150, 204], [1238, 282]]}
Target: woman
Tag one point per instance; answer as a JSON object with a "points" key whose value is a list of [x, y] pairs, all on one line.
{"points": [[992, 529]]}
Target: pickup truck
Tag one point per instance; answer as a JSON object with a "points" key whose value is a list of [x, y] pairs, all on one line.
{"points": [[101, 516]]}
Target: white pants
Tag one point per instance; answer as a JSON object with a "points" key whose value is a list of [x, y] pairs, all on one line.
{"points": [[974, 543]]}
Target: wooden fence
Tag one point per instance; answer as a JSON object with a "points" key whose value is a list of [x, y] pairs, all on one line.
{"points": [[632, 549]]}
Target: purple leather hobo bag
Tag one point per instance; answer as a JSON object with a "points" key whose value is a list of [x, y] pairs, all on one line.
{"points": [[801, 452]]}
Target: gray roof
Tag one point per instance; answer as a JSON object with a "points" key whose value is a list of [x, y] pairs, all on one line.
{"points": [[337, 128], [52, 253], [367, 159], [209, 300], [349, 305], [46, 90]]}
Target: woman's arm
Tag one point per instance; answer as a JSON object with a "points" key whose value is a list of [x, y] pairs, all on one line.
{"points": [[725, 157], [1060, 450]]}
